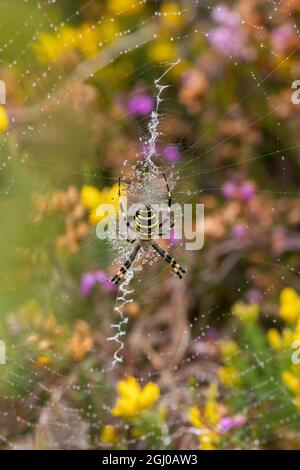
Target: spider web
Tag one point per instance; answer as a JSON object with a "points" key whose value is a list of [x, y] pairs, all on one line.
{"points": [[66, 409]]}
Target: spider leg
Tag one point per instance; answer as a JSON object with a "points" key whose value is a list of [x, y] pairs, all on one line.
{"points": [[126, 265], [176, 267], [123, 213], [169, 193], [172, 223]]}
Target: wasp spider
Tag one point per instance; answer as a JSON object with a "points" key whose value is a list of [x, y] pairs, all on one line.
{"points": [[146, 227]]}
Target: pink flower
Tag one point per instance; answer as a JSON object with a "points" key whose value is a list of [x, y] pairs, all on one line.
{"points": [[228, 423], [87, 283], [91, 278], [229, 37], [247, 190], [171, 153], [238, 189], [222, 14], [254, 296], [282, 37], [229, 190], [140, 104], [239, 231]]}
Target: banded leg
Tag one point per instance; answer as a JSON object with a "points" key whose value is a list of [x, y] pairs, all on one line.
{"points": [[169, 208], [126, 265], [176, 267], [123, 213], [169, 193], [172, 224]]}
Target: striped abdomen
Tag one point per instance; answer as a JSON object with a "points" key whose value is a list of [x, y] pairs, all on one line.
{"points": [[146, 223]]}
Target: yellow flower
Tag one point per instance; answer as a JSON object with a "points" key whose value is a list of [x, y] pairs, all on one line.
{"points": [[274, 339], [108, 434], [50, 47], [92, 198], [297, 402], [287, 337], [297, 331], [149, 395], [108, 31], [129, 387], [289, 308], [4, 121], [47, 48], [247, 313], [229, 348], [291, 381], [209, 440], [162, 51], [128, 7], [42, 361], [211, 412], [133, 398], [171, 15], [229, 376], [88, 40], [195, 417]]}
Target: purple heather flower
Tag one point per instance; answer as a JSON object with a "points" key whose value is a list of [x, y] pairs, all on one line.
{"points": [[140, 104], [229, 37], [244, 190], [87, 283], [239, 231], [231, 42], [103, 279], [171, 153], [239, 421], [224, 15], [228, 423], [229, 190], [254, 296], [91, 278], [281, 36], [247, 190]]}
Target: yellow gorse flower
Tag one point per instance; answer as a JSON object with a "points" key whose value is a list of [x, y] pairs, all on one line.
{"points": [[229, 376], [49, 47], [171, 15], [297, 402], [85, 38], [133, 399], [92, 198], [206, 422], [126, 7], [291, 381], [289, 305], [42, 361], [88, 40], [162, 51], [4, 121], [229, 348], [108, 434], [195, 417], [209, 440], [274, 339], [247, 313]]}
